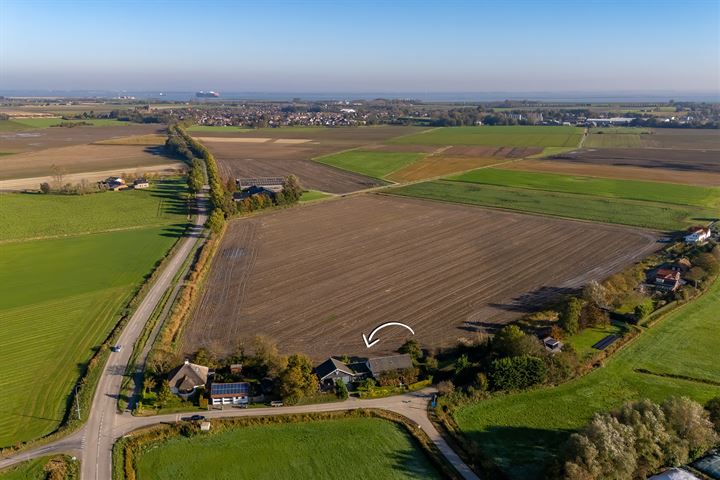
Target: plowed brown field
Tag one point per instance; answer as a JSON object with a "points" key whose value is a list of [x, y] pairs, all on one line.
{"points": [[316, 277], [278, 156]]}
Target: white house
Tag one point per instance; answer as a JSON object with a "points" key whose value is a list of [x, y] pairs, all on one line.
{"points": [[697, 234], [230, 393]]}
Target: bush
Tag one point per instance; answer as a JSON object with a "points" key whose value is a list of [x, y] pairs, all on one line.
{"points": [[341, 390], [643, 310], [713, 408], [517, 373], [570, 316]]}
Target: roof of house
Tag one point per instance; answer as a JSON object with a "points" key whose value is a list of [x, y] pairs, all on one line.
{"points": [[674, 474], [393, 362], [260, 181], [667, 273], [229, 389], [331, 365], [698, 229], [140, 180], [189, 376]]}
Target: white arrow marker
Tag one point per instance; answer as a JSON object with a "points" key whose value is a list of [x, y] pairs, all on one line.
{"points": [[369, 342]]}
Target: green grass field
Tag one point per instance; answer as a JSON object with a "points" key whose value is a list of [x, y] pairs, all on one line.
{"points": [[11, 126], [522, 431], [49, 122], [312, 195], [37, 215], [504, 136], [602, 187], [212, 128], [61, 296], [325, 449], [372, 164], [614, 140], [29, 470], [609, 210], [583, 341]]}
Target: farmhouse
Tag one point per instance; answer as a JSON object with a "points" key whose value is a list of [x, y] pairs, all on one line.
{"points": [[187, 377], [230, 393], [274, 184], [332, 370], [114, 184], [667, 279], [380, 365], [697, 234], [252, 191], [141, 183]]}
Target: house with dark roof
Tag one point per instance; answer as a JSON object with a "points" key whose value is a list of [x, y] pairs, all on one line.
{"points": [[230, 393], [274, 184], [252, 191], [185, 379], [332, 370], [380, 365]]}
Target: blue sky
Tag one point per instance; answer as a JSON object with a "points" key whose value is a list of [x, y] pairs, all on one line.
{"points": [[343, 46]]}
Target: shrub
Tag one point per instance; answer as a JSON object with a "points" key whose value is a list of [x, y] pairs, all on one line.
{"points": [[713, 408], [516, 373], [643, 310], [341, 390], [570, 316]]}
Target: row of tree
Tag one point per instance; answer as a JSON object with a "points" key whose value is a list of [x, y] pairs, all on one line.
{"points": [[640, 438]]}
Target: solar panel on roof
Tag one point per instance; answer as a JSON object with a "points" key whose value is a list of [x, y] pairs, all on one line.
{"points": [[229, 388]]}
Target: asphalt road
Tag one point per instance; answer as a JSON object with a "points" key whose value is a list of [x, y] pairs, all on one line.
{"points": [[94, 442]]}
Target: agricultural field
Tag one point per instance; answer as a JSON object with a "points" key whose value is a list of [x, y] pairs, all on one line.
{"points": [[150, 140], [81, 158], [617, 171], [53, 122], [318, 277], [292, 450], [284, 151], [523, 431], [684, 139], [705, 161], [62, 295], [658, 216], [369, 163], [36, 215], [594, 186], [503, 136], [438, 165], [45, 138], [35, 469], [615, 139], [312, 195]]}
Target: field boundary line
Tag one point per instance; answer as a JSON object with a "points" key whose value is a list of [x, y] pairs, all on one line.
{"points": [[82, 234]]}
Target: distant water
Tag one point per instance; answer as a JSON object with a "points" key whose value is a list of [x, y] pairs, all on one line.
{"points": [[577, 97]]}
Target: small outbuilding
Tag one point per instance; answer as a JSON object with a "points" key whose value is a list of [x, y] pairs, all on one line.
{"points": [[380, 365], [141, 183], [552, 344]]}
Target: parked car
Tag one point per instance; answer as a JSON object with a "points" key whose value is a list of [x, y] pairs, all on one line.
{"points": [[194, 418], [116, 348], [276, 403]]}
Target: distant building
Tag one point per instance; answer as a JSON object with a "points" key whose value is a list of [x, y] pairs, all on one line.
{"points": [[114, 184], [271, 183], [141, 183], [609, 121], [188, 377], [697, 234], [230, 393]]}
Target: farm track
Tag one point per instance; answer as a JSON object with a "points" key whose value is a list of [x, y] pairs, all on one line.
{"points": [[327, 273]]}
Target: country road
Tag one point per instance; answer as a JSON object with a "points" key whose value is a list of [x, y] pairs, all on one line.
{"points": [[94, 442]]}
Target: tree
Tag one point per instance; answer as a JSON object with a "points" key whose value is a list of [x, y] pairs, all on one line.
{"points": [[570, 316], [292, 189], [510, 341], [165, 395], [643, 310], [696, 275], [204, 357], [297, 380], [593, 316], [690, 423], [149, 383], [517, 373], [708, 263], [412, 348], [266, 359], [216, 221], [595, 293], [341, 390], [446, 387], [713, 408], [45, 188]]}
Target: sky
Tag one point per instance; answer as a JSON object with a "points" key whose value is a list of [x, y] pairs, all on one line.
{"points": [[361, 46]]}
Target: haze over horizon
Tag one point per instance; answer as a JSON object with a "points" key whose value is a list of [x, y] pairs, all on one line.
{"points": [[322, 46]]}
